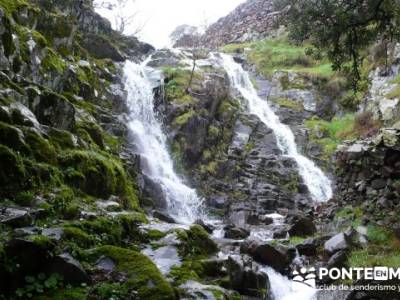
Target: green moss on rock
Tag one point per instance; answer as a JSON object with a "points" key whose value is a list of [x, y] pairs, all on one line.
{"points": [[142, 274], [102, 175], [289, 103], [11, 137], [183, 119], [196, 242], [12, 171], [41, 149], [77, 236]]}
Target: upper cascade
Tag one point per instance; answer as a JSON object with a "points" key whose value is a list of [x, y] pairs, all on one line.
{"points": [[183, 203], [317, 183]]}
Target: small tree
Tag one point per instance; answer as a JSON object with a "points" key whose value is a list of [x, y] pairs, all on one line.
{"points": [[196, 54], [342, 29]]}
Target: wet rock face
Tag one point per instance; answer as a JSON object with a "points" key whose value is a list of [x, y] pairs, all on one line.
{"points": [[245, 277], [380, 99]]}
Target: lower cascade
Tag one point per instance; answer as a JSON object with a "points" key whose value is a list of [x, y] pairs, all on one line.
{"points": [[183, 203], [317, 183], [284, 289]]}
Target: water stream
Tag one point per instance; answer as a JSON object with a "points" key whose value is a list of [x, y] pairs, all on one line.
{"points": [[317, 183], [183, 203]]}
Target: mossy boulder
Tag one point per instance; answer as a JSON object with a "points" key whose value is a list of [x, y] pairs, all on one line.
{"points": [[12, 137], [99, 175], [41, 149], [196, 242], [12, 171], [142, 274]]}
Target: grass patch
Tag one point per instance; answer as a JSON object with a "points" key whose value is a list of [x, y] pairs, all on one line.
{"points": [[383, 250], [271, 55], [333, 133]]}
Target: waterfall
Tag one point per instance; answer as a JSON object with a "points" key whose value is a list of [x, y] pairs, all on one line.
{"points": [[284, 289], [183, 204], [317, 183]]}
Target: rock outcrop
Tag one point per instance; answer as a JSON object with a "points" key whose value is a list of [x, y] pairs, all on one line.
{"points": [[251, 20]]}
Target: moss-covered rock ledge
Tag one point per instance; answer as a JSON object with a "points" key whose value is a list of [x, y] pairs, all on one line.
{"points": [[69, 195]]}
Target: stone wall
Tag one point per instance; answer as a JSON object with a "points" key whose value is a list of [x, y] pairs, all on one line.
{"points": [[368, 171]]}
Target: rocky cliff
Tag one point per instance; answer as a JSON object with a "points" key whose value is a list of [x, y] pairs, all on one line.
{"points": [[69, 196], [252, 20]]}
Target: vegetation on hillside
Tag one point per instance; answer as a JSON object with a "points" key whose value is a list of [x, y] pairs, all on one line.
{"points": [[342, 30]]}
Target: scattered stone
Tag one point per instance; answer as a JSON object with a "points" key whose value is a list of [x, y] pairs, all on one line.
{"points": [[337, 260], [307, 248], [69, 268], [163, 217], [378, 184], [245, 278], [15, 217], [280, 234], [108, 205], [236, 233], [336, 243], [105, 264], [303, 227], [274, 256], [195, 290], [208, 227]]}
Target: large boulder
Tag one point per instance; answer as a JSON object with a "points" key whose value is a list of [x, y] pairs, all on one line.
{"points": [[54, 110], [69, 268], [245, 277], [308, 247], [336, 243], [275, 256], [303, 227]]}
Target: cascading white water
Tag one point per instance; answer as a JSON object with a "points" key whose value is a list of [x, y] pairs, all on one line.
{"points": [[183, 203], [317, 183], [284, 289]]}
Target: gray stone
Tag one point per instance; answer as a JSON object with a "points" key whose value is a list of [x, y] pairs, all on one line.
{"points": [[245, 277], [105, 264], [15, 217], [163, 217], [68, 267], [378, 184], [336, 243], [274, 256]]}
